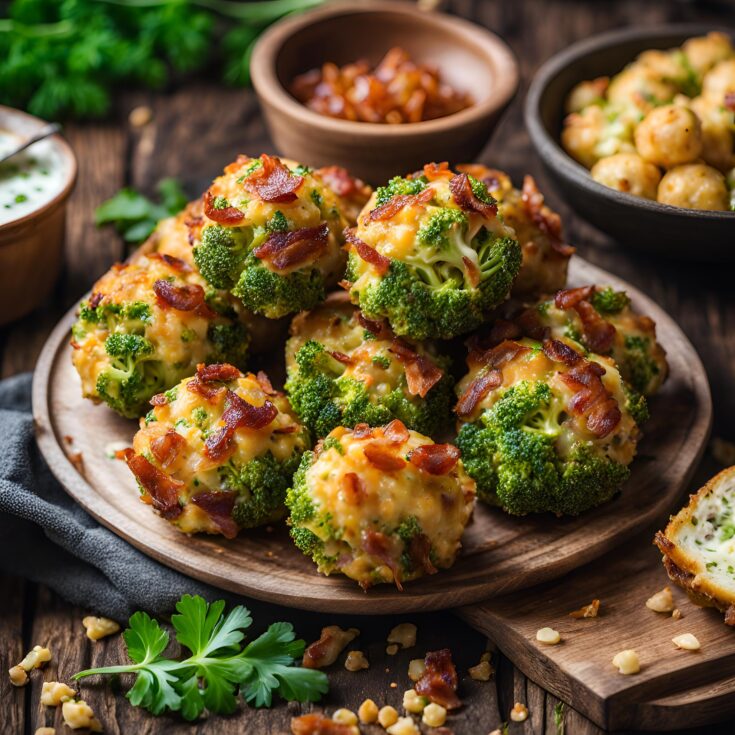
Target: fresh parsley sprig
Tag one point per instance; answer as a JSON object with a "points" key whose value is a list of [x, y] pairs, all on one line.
{"points": [[219, 668]]}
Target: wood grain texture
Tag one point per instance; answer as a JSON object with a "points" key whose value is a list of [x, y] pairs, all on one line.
{"points": [[500, 553], [12, 649]]}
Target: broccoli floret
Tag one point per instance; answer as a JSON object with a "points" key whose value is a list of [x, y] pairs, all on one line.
{"points": [[512, 455], [277, 223], [480, 190], [431, 300], [231, 343], [221, 254], [323, 398], [261, 486], [609, 301], [435, 232], [399, 185], [635, 404], [638, 366]]}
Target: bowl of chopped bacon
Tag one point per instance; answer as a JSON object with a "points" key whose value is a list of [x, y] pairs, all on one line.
{"points": [[375, 85]]}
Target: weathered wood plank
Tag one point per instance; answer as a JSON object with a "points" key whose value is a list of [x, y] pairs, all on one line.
{"points": [[15, 593]]}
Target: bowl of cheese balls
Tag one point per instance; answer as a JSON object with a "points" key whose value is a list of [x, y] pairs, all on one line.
{"points": [[637, 127]]}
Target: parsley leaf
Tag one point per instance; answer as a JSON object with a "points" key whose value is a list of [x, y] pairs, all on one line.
{"points": [[218, 669]]}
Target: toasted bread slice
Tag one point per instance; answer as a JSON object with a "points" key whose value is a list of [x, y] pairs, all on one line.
{"points": [[699, 545]]}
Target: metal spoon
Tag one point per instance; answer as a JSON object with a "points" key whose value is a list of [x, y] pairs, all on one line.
{"points": [[44, 132]]}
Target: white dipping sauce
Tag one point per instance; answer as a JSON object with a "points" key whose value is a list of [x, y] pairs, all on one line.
{"points": [[30, 179]]}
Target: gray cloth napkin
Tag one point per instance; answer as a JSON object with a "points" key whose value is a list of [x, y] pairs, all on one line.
{"points": [[48, 538]]}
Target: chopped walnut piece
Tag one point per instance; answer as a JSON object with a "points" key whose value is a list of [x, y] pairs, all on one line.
{"points": [[78, 714], [356, 661], [627, 662], [55, 693], [387, 716], [404, 635], [368, 712], [676, 614], [519, 713], [413, 703], [587, 611], [324, 652], [18, 676], [98, 628], [35, 658], [434, 715], [416, 669], [482, 671], [391, 649], [687, 641], [662, 602], [403, 726]]}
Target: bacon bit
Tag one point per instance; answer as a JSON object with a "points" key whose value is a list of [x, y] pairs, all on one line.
{"points": [[421, 373], [189, 297], [173, 262], [473, 272], [383, 458], [486, 381], [436, 459], [341, 357], [218, 506], [162, 489], [224, 215], [353, 488], [587, 611], [95, 299], [346, 285], [218, 372], [377, 327], [419, 550], [591, 399], [362, 431], [397, 203], [288, 249], [265, 384], [316, 723], [338, 179], [396, 432], [434, 171], [273, 182], [331, 643], [210, 392], [237, 414], [729, 101], [461, 189], [194, 229], [367, 253], [439, 681], [548, 222], [561, 352], [159, 400], [166, 448], [238, 163], [290, 429], [598, 333], [379, 545], [570, 297]]}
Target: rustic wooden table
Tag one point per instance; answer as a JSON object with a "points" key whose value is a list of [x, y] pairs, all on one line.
{"points": [[194, 132]]}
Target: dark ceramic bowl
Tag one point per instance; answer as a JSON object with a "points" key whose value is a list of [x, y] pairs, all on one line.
{"points": [[634, 222], [469, 58]]}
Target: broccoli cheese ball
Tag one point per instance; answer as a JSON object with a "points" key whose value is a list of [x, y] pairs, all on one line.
{"points": [[596, 132], [703, 52], [146, 325], [694, 186], [430, 255], [640, 89], [587, 93], [719, 82], [629, 173], [718, 133], [380, 505], [271, 234], [669, 136], [544, 428], [538, 230], [345, 370], [217, 452], [600, 320]]}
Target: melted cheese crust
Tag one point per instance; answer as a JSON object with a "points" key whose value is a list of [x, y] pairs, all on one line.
{"points": [[194, 418], [442, 505]]}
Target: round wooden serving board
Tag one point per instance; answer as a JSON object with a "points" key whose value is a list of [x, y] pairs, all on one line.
{"points": [[500, 553]]}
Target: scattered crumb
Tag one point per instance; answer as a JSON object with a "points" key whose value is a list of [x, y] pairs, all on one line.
{"points": [[45, 731], [723, 451], [392, 649], [627, 662], [269, 554], [404, 635], [98, 628], [676, 614], [356, 661], [35, 658], [387, 716], [548, 636], [68, 439], [403, 726], [587, 611], [331, 643], [661, 602], [140, 116], [368, 712], [345, 717], [687, 641], [18, 676], [519, 713], [482, 671], [77, 460], [54, 693], [393, 685], [78, 714], [416, 669], [434, 715], [414, 703]]}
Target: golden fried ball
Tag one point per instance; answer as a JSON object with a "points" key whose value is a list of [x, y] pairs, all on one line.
{"points": [[594, 133], [669, 136], [640, 88], [587, 93], [629, 173], [703, 52], [719, 81], [694, 186], [718, 133]]}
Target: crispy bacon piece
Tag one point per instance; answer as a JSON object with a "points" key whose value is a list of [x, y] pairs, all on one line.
{"points": [[338, 179], [237, 414], [95, 299], [367, 253], [166, 448], [265, 384], [159, 400], [729, 101], [485, 381], [162, 489], [379, 545], [591, 399], [362, 431], [419, 550], [273, 182], [377, 327], [223, 215], [218, 372], [461, 189], [384, 458], [353, 488], [316, 723], [218, 506], [436, 459], [598, 333], [561, 352], [396, 432], [341, 357], [439, 681], [173, 262], [290, 429], [397, 203], [324, 652], [568, 298], [473, 272], [189, 297], [421, 373], [434, 171], [547, 221], [289, 249]]}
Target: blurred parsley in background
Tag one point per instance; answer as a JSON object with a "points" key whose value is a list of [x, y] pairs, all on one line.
{"points": [[65, 58]]}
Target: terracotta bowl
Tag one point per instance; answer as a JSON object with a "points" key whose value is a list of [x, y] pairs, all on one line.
{"points": [[469, 58], [634, 222], [32, 246]]}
